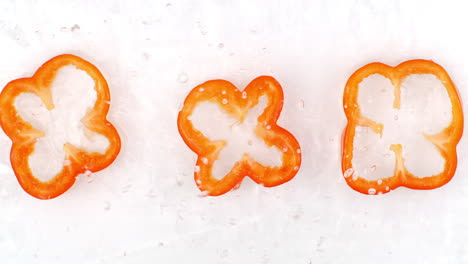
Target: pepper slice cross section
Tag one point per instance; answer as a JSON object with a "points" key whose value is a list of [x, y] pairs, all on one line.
{"points": [[45, 156], [237, 104], [425, 112]]}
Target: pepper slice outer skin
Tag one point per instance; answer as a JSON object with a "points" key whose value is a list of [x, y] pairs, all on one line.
{"points": [[24, 135], [445, 141], [240, 102]]}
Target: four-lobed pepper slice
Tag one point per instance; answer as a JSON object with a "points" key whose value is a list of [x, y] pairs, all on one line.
{"points": [[24, 135], [240, 102], [445, 140]]}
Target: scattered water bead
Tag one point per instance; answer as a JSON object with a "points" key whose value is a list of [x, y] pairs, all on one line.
{"points": [[183, 77], [348, 172]]}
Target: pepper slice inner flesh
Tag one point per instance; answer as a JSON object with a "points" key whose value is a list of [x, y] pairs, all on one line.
{"points": [[61, 124], [237, 135], [424, 108]]}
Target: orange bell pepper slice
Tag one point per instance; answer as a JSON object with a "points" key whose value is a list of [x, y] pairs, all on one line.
{"points": [[445, 141], [24, 135], [240, 102]]}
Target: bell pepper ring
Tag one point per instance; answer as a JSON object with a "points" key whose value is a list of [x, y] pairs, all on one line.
{"points": [[32, 107], [238, 104], [364, 124]]}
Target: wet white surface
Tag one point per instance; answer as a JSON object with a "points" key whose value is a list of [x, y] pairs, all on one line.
{"points": [[145, 208]]}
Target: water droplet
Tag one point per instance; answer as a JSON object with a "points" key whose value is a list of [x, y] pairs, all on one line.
{"points": [[151, 194], [107, 206], [204, 194], [75, 27], [285, 149], [371, 191], [300, 104], [268, 127], [204, 160], [201, 89], [379, 181], [89, 176], [298, 151], [225, 101], [126, 188], [181, 106], [244, 95], [223, 92], [348, 172], [3, 193], [197, 168], [237, 186], [183, 77]]}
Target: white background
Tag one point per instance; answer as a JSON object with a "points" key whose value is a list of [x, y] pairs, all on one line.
{"points": [[145, 207]]}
